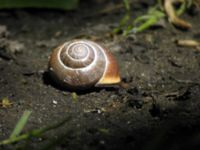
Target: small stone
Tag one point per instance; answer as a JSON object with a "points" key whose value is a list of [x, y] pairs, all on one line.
{"points": [[55, 102], [98, 111]]}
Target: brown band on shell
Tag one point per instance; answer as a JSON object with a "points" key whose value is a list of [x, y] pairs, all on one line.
{"points": [[111, 74]]}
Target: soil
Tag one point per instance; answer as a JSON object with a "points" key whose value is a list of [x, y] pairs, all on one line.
{"points": [[159, 110]]}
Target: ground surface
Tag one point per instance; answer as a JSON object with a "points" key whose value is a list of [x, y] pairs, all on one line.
{"points": [[160, 109]]}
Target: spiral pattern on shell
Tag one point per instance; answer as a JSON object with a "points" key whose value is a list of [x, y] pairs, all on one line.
{"points": [[79, 63]]}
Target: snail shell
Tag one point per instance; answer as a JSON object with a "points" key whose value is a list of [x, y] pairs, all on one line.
{"points": [[80, 64]]}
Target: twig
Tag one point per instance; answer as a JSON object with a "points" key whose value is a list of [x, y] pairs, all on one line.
{"points": [[171, 13], [188, 43]]}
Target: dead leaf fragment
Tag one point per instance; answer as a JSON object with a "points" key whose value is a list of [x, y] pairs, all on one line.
{"points": [[5, 103]]}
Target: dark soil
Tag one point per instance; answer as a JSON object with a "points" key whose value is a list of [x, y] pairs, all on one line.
{"points": [[159, 110]]}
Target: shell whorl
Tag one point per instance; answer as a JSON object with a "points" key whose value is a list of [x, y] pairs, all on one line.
{"points": [[77, 54], [80, 63]]}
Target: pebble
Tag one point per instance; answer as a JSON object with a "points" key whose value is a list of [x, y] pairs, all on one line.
{"points": [[55, 102]]}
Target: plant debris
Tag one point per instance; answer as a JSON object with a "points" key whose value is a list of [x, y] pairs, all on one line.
{"points": [[5, 103], [154, 15], [171, 13], [188, 43]]}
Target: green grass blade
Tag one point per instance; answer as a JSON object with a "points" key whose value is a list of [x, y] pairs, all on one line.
{"points": [[34, 133], [127, 5], [21, 123], [147, 24]]}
